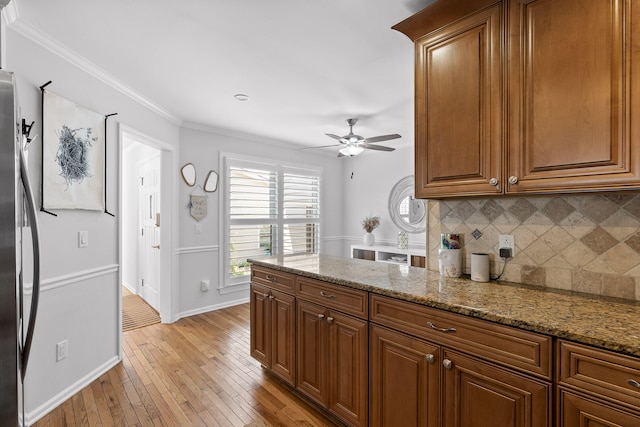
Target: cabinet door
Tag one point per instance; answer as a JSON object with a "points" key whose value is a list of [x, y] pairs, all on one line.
{"points": [[283, 334], [572, 94], [348, 379], [458, 147], [478, 395], [260, 324], [311, 372], [575, 410], [405, 385]]}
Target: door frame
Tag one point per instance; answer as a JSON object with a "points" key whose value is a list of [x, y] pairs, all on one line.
{"points": [[169, 230]]}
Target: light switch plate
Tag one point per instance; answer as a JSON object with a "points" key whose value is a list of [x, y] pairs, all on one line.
{"points": [[83, 239]]}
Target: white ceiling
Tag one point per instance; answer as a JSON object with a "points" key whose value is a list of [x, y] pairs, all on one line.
{"points": [[306, 65]]}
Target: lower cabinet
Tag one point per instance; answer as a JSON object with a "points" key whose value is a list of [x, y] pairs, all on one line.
{"points": [[482, 394], [273, 330], [332, 361], [405, 380], [369, 359], [417, 383], [597, 387], [579, 410]]}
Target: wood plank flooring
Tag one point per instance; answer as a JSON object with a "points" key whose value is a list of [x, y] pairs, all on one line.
{"points": [[195, 372]]}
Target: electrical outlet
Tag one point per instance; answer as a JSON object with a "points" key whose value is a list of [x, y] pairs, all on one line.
{"points": [[204, 285], [507, 241], [62, 350]]}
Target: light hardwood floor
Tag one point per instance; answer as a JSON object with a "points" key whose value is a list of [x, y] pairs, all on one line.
{"points": [[195, 372]]}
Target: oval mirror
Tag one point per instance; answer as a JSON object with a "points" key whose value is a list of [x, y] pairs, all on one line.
{"points": [[211, 183], [188, 172], [407, 212]]}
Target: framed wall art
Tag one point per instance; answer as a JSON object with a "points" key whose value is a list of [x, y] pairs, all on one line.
{"points": [[73, 155]]}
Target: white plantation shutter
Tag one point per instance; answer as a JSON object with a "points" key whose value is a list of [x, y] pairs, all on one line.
{"points": [[270, 210], [301, 213], [253, 215]]}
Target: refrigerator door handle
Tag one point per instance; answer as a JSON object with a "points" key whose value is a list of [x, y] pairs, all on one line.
{"points": [[33, 220]]}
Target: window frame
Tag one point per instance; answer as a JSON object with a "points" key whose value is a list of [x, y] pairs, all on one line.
{"points": [[228, 160]]}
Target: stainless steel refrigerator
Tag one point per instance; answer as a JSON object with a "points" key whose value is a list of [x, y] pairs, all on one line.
{"points": [[18, 222]]}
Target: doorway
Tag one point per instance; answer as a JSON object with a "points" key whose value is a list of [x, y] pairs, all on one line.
{"points": [[146, 225]]}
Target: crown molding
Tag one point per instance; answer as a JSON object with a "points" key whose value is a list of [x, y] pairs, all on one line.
{"points": [[251, 137], [75, 59], [10, 13]]}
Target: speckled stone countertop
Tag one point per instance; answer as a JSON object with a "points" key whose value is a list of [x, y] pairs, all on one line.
{"points": [[603, 322]]}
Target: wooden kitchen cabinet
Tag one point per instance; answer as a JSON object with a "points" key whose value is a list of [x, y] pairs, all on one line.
{"points": [[572, 93], [515, 97], [578, 410], [405, 380], [458, 146], [483, 374], [272, 325], [333, 361], [597, 385], [479, 393]]}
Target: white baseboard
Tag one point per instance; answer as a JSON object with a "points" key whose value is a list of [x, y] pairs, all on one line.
{"points": [[211, 308], [131, 289], [33, 416]]}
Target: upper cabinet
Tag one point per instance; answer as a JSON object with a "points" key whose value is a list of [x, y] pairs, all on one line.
{"points": [[524, 96]]}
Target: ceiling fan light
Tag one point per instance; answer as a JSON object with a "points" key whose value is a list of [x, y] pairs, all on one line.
{"points": [[351, 150]]}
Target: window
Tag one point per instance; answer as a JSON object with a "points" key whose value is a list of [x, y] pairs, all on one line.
{"points": [[270, 210]]}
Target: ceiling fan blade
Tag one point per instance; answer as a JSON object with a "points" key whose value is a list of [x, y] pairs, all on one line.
{"points": [[382, 138], [321, 146], [339, 138], [376, 147]]}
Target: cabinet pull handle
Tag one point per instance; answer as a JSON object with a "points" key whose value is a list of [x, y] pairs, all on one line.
{"points": [[430, 358], [513, 179], [448, 364], [271, 297], [266, 295], [320, 316], [326, 295], [493, 182], [432, 326], [633, 383], [271, 278], [329, 319]]}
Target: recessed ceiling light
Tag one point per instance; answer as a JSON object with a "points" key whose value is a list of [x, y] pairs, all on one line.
{"points": [[241, 97]]}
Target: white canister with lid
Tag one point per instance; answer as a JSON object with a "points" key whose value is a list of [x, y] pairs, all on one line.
{"points": [[480, 267]]}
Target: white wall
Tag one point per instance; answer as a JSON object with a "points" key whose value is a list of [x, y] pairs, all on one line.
{"points": [[199, 254], [81, 287], [367, 193], [80, 296]]}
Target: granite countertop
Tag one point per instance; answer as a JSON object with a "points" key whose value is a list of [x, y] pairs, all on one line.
{"points": [[608, 323]]}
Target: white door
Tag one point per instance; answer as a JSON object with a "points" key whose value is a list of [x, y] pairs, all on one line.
{"points": [[149, 231]]}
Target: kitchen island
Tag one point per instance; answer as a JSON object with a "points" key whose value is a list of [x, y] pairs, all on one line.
{"points": [[536, 347]]}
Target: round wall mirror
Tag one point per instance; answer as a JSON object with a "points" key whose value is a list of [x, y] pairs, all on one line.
{"points": [[407, 212], [211, 183], [188, 172]]}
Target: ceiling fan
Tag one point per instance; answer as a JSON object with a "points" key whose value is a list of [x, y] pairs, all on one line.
{"points": [[356, 144]]}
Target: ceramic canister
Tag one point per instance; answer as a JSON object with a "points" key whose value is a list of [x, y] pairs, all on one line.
{"points": [[450, 262]]}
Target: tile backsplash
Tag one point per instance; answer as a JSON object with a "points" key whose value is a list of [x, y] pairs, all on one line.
{"points": [[587, 242]]}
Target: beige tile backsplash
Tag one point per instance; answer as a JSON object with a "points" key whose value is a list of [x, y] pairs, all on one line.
{"points": [[587, 243]]}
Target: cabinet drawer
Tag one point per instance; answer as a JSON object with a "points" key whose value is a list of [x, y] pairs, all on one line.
{"points": [[273, 278], [523, 350], [341, 298], [601, 372]]}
